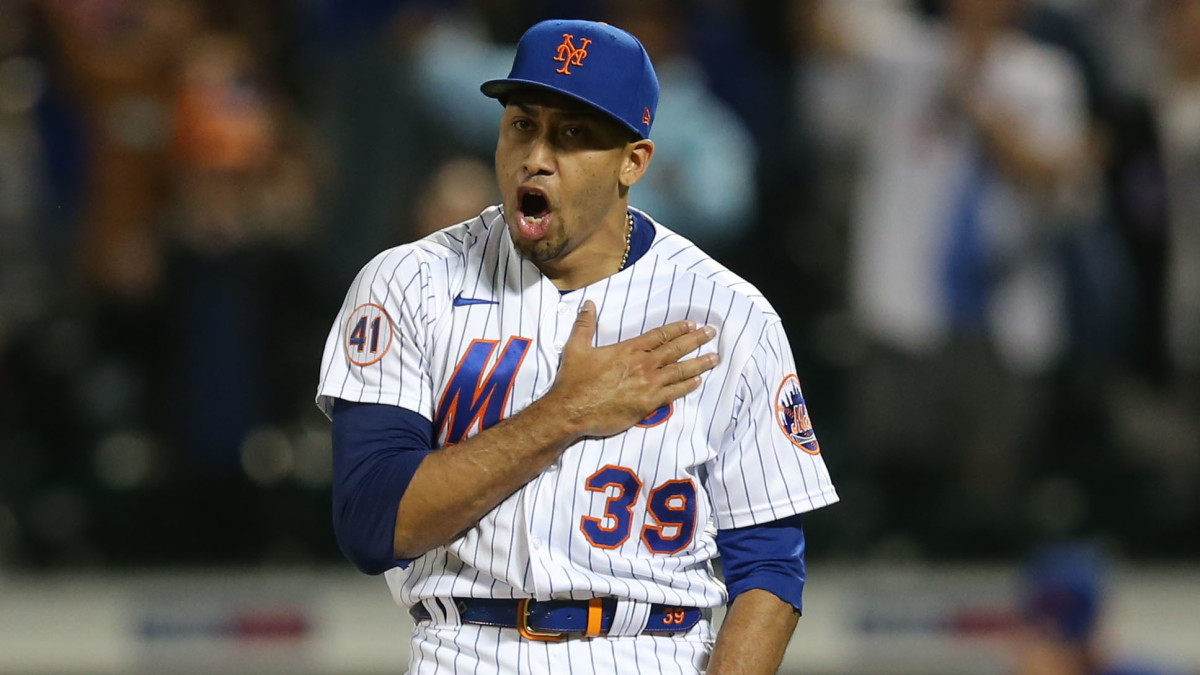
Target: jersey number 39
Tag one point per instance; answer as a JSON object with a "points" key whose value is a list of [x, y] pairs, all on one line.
{"points": [[672, 507]]}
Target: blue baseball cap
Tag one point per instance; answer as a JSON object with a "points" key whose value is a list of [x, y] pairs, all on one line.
{"points": [[598, 64]]}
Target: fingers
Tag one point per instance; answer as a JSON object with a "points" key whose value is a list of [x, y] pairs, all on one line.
{"points": [[685, 344], [655, 338], [692, 368], [584, 329], [685, 375], [680, 389], [670, 342]]}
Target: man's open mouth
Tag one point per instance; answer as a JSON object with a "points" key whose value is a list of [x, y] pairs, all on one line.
{"points": [[534, 205], [534, 213]]}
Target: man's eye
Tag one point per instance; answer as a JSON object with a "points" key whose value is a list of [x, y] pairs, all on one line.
{"points": [[522, 124], [573, 132]]}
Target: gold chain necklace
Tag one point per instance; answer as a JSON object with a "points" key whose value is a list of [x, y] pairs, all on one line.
{"points": [[628, 239]]}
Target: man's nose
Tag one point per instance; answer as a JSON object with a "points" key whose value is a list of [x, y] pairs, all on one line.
{"points": [[539, 160]]}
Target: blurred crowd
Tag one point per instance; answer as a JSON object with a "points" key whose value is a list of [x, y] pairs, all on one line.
{"points": [[979, 220]]}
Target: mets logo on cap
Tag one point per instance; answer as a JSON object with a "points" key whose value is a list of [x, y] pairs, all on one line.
{"points": [[792, 415], [570, 55]]}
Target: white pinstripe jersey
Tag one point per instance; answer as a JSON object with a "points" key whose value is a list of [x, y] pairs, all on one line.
{"points": [[460, 329]]}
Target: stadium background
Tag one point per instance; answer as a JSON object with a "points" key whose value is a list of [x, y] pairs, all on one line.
{"points": [[188, 186]]}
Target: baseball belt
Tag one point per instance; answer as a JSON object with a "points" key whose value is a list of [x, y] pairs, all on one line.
{"points": [[554, 620]]}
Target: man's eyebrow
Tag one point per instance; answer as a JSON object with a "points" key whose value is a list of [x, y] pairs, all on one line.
{"points": [[571, 113]]}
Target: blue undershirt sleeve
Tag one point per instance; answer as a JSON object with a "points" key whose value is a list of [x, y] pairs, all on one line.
{"points": [[376, 450], [769, 556]]}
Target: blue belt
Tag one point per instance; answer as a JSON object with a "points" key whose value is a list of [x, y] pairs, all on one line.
{"points": [[555, 620]]}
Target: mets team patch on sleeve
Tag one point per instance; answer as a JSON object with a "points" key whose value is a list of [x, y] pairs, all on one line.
{"points": [[792, 415], [368, 334]]}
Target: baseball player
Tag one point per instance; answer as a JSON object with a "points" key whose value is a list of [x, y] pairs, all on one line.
{"points": [[550, 419]]}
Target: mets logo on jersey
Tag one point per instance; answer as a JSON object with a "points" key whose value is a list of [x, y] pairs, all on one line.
{"points": [[792, 415], [569, 56], [476, 396]]}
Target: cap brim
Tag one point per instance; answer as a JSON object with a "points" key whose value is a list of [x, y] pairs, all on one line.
{"points": [[500, 89]]}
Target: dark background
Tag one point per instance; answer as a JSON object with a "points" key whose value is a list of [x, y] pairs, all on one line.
{"points": [[187, 188]]}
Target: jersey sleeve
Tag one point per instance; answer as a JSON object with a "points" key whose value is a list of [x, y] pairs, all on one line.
{"points": [[769, 465], [378, 345]]}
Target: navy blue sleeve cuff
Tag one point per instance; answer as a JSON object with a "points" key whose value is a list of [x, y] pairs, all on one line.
{"points": [[376, 451], [769, 556]]}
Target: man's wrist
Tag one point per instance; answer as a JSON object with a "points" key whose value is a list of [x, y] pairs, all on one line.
{"points": [[560, 421]]}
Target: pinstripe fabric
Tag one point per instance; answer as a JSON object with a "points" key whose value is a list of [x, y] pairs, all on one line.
{"points": [[725, 437]]}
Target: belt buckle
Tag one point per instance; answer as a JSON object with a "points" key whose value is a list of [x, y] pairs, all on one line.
{"points": [[531, 633]]}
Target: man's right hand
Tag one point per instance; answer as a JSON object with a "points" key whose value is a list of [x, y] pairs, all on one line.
{"points": [[603, 391]]}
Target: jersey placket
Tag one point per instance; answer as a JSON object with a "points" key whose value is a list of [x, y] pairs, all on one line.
{"points": [[555, 323]]}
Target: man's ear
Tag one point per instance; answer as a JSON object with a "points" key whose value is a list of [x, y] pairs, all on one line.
{"points": [[637, 160]]}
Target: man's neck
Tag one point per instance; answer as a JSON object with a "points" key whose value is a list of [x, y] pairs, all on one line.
{"points": [[598, 258]]}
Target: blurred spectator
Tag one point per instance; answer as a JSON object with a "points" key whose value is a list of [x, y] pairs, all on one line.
{"points": [[240, 176], [459, 189], [162, 371], [242, 192], [1103, 284], [379, 133], [744, 49], [454, 51], [1124, 36], [974, 169], [703, 181], [1156, 417], [1159, 425], [1064, 598], [119, 59]]}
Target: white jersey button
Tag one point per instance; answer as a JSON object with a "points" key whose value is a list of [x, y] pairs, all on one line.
{"points": [[535, 543], [558, 346], [562, 308]]}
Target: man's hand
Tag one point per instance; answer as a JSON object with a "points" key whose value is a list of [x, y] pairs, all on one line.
{"points": [[605, 390]]}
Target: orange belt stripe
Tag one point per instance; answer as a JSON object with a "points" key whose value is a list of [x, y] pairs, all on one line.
{"points": [[595, 608]]}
